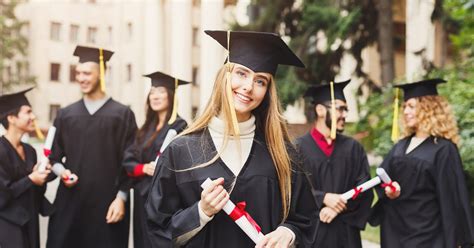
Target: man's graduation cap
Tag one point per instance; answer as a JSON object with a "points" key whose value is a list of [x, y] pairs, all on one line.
{"points": [[417, 89], [13, 101], [97, 55], [329, 92], [259, 51], [161, 79], [322, 93]]}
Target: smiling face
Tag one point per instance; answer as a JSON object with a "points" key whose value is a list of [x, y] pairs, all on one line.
{"points": [[87, 75], [158, 98], [409, 113], [24, 120], [248, 90]]}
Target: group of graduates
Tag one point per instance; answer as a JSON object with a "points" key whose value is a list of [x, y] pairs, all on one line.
{"points": [[292, 190]]}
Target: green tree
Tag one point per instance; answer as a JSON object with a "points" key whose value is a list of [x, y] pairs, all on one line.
{"points": [[14, 45]]}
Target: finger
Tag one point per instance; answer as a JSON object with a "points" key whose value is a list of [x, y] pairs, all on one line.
{"points": [[218, 198], [109, 214], [35, 168], [223, 202], [262, 242], [214, 193]]}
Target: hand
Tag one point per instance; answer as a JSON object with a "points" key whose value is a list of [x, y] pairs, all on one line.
{"points": [[214, 197], [327, 215], [39, 178], [281, 237], [393, 194], [149, 169], [335, 202], [116, 211], [69, 179]]}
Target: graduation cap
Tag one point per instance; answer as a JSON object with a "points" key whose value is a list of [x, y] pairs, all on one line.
{"points": [[16, 100], [416, 89], [97, 55], [420, 88], [259, 51], [322, 93], [13, 101], [161, 79]]}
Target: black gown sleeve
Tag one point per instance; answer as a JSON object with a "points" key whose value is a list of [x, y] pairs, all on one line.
{"points": [[131, 157], [57, 150], [453, 197], [168, 217], [130, 129], [358, 210]]}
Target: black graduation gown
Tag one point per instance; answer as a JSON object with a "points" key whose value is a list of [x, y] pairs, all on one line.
{"points": [[20, 199], [142, 154], [433, 208], [172, 205], [346, 168], [93, 148]]}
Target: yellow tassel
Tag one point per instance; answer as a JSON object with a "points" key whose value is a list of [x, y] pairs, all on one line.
{"points": [[174, 114], [230, 99], [333, 113], [395, 129], [102, 70], [39, 134]]}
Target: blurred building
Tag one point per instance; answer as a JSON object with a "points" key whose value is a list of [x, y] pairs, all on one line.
{"points": [[146, 35]]}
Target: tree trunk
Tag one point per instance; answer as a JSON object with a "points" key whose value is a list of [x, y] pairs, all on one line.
{"points": [[385, 40]]}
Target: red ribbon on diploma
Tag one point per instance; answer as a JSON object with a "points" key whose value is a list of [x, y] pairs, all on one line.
{"points": [[46, 152], [239, 211], [390, 184], [357, 191]]}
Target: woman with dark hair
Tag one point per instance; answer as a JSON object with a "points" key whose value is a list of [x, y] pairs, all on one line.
{"points": [[241, 143], [427, 205], [139, 159]]}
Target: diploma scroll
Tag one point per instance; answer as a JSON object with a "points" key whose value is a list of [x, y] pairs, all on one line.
{"points": [[240, 217], [168, 138], [382, 176], [48, 144]]}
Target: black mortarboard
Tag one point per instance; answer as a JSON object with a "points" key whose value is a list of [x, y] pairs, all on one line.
{"points": [[322, 93], [13, 101], [421, 88], [91, 54], [259, 51], [162, 79]]}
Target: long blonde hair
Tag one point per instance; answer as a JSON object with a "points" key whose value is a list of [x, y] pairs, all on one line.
{"points": [[435, 117], [269, 119]]}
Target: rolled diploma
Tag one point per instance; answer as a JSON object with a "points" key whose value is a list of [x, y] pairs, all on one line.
{"points": [[383, 175], [48, 144], [168, 138], [242, 222], [365, 186]]}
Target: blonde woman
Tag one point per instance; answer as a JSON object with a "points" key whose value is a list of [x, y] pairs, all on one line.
{"points": [[428, 205], [241, 142]]}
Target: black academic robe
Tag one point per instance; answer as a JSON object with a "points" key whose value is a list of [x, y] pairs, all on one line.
{"points": [[93, 148], [433, 208], [142, 153], [20, 199], [343, 170], [172, 205]]}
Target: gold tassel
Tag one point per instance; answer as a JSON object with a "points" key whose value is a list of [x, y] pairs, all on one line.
{"points": [[102, 70], [174, 113], [235, 123], [39, 134], [395, 129], [333, 113]]}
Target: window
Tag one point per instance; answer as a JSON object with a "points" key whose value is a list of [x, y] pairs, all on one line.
{"points": [[110, 35], [55, 69], [53, 111], [129, 31], [195, 75], [129, 73], [55, 32], [92, 35], [74, 33], [72, 73]]}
